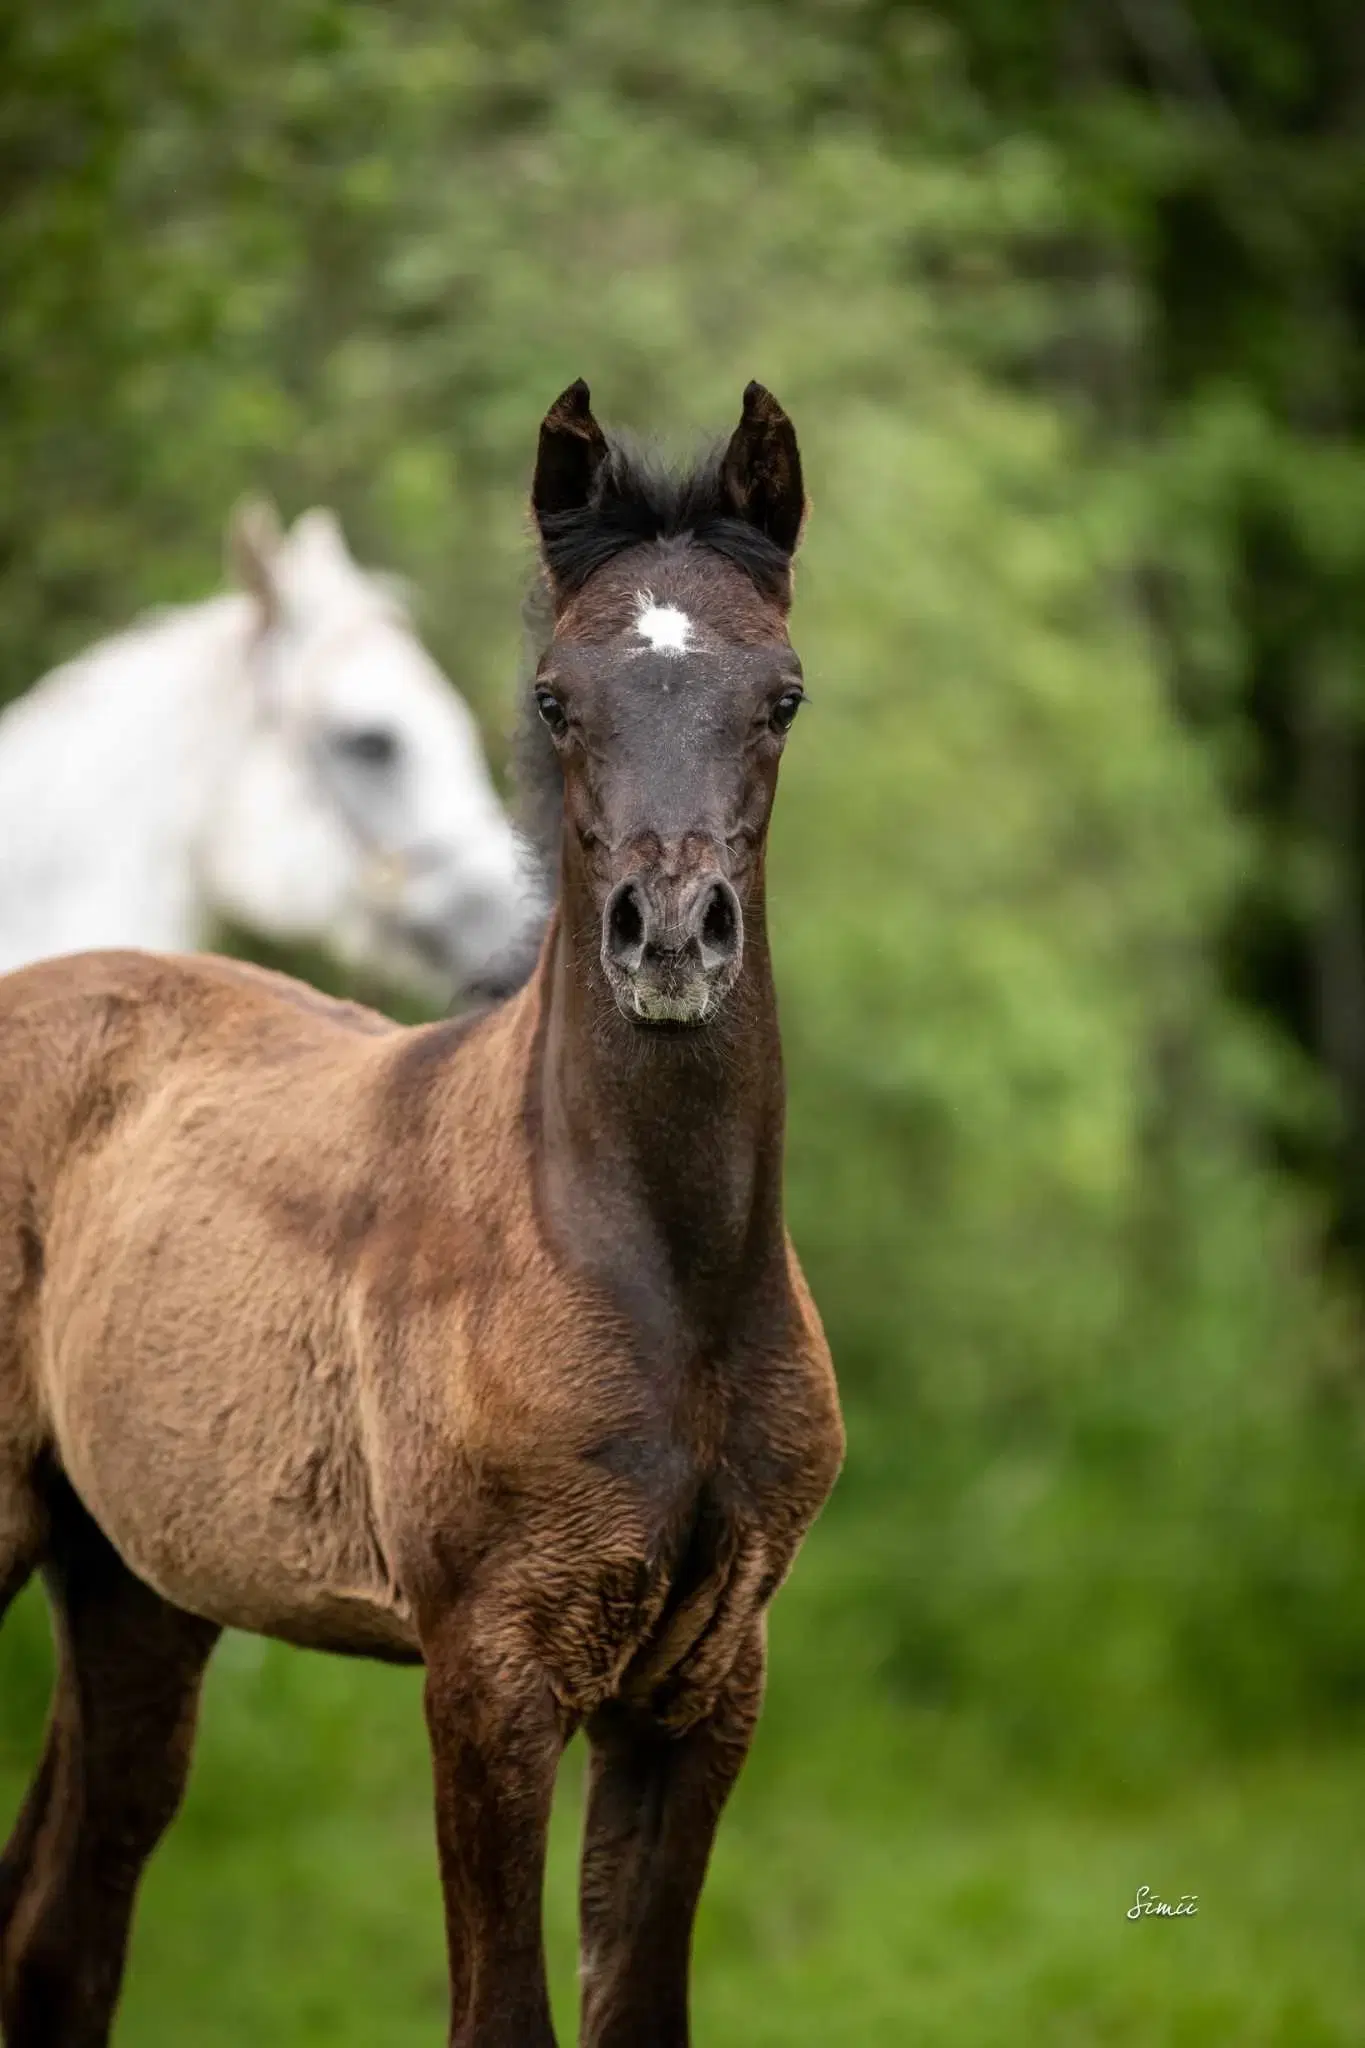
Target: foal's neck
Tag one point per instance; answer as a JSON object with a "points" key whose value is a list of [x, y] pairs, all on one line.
{"points": [[661, 1151]]}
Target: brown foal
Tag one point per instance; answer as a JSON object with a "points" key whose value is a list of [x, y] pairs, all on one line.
{"points": [[481, 1344]]}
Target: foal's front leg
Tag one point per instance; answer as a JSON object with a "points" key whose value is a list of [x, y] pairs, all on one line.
{"points": [[497, 1735], [654, 1800]]}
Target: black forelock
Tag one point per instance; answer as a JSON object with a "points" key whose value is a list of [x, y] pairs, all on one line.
{"points": [[637, 498]]}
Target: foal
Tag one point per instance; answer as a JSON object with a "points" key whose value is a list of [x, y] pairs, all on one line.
{"points": [[480, 1344]]}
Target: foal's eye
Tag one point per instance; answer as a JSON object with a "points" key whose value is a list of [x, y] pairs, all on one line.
{"points": [[552, 711], [785, 709], [372, 746]]}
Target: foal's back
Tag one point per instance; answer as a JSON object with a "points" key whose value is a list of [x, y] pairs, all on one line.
{"points": [[194, 1154]]}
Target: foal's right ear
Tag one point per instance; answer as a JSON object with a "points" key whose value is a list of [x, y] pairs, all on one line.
{"points": [[254, 541], [572, 450]]}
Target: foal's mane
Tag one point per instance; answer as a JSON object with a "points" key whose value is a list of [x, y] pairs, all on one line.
{"points": [[638, 498]]}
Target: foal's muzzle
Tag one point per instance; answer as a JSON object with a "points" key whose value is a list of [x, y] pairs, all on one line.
{"points": [[672, 955]]}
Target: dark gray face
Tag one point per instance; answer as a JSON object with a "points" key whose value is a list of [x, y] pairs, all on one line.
{"points": [[669, 742], [669, 687]]}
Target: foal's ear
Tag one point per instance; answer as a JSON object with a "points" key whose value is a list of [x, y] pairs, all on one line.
{"points": [[254, 541], [760, 472], [572, 450]]}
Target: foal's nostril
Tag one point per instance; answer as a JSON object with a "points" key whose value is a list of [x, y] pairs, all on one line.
{"points": [[707, 932], [625, 927], [720, 926]]}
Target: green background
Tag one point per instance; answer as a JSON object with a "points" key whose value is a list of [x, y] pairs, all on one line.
{"points": [[1066, 303]]}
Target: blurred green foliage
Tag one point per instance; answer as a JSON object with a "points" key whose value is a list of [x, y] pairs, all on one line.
{"points": [[1086, 1603]]}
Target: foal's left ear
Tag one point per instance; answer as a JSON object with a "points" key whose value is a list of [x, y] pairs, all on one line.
{"points": [[572, 450], [760, 472]]}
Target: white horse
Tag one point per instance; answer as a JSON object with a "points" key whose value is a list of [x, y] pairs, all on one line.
{"points": [[288, 756]]}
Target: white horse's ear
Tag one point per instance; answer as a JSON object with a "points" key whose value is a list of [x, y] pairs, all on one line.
{"points": [[316, 538], [317, 568], [255, 539]]}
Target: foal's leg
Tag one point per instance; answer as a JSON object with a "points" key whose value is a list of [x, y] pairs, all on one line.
{"points": [[21, 1540], [115, 1766], [20, 1546], [497, 1735], [654, 1800], [23, 1525]]}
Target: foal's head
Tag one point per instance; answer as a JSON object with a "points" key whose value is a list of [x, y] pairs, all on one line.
{"points": [[667, 691]]}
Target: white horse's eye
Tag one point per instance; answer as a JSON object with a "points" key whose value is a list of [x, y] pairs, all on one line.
{"points": [[372, 746]]}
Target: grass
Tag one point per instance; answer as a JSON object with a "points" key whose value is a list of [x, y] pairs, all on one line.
{"points": [[877, 1883]]}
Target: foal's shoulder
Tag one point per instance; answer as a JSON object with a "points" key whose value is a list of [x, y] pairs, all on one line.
{"points": [[139, 1012], [174, 986], [70, 985], [265, 982]]}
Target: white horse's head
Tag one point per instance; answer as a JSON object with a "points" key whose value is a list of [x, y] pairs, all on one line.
{"points": [[361, 811]]}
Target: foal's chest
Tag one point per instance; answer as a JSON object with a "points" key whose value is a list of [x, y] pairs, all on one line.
{"points": [[691, 1531]]}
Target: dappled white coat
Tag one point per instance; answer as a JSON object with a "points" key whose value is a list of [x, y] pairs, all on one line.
{"points": [[289, 756]]}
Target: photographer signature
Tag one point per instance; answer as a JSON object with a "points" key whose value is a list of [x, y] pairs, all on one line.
{"points": [[1148, 1902]]}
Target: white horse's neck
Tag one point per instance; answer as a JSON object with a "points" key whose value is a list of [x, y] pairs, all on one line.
{"points": [[108, 768]]}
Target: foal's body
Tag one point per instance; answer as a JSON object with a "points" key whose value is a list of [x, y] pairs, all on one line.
{"points": [[331, 1340], [481, 1344]]}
